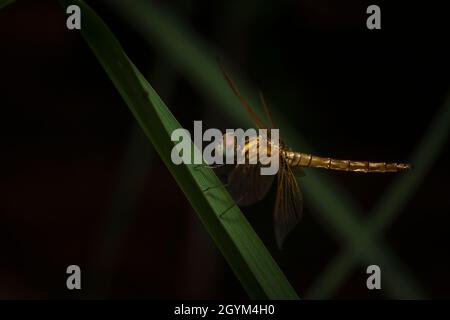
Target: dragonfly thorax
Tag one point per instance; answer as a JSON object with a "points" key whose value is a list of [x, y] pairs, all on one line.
{"points": [[250, 148]]}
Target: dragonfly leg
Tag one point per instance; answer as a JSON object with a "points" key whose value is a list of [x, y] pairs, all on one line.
{"points": [[208, 166], [230, 207], [213, 187], [205, 165]]}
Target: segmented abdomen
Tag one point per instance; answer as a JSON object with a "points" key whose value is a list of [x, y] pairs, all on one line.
{"points": [[298, 159]]}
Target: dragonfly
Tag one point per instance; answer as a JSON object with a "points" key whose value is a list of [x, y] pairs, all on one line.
{"points": [[247, 185]]}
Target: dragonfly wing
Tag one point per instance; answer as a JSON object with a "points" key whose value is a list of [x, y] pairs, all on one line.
{"points": [[288, 203], [244, 102], [246, 184]]}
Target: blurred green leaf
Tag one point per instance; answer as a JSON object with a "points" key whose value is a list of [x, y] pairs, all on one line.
{"points": [[393, 200]]}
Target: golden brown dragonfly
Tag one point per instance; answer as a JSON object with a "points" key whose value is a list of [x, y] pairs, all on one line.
{"points": [[247, 186]]}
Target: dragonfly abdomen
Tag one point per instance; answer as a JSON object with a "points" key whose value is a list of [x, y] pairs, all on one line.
{"points": [[298, 159]]}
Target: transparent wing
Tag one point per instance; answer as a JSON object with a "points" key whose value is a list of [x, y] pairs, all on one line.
{"points": [[246, 184], [288, 203], [244, 102], [267, 110]]}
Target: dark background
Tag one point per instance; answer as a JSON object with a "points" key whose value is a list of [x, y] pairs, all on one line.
{"points": [[79, 183]]}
